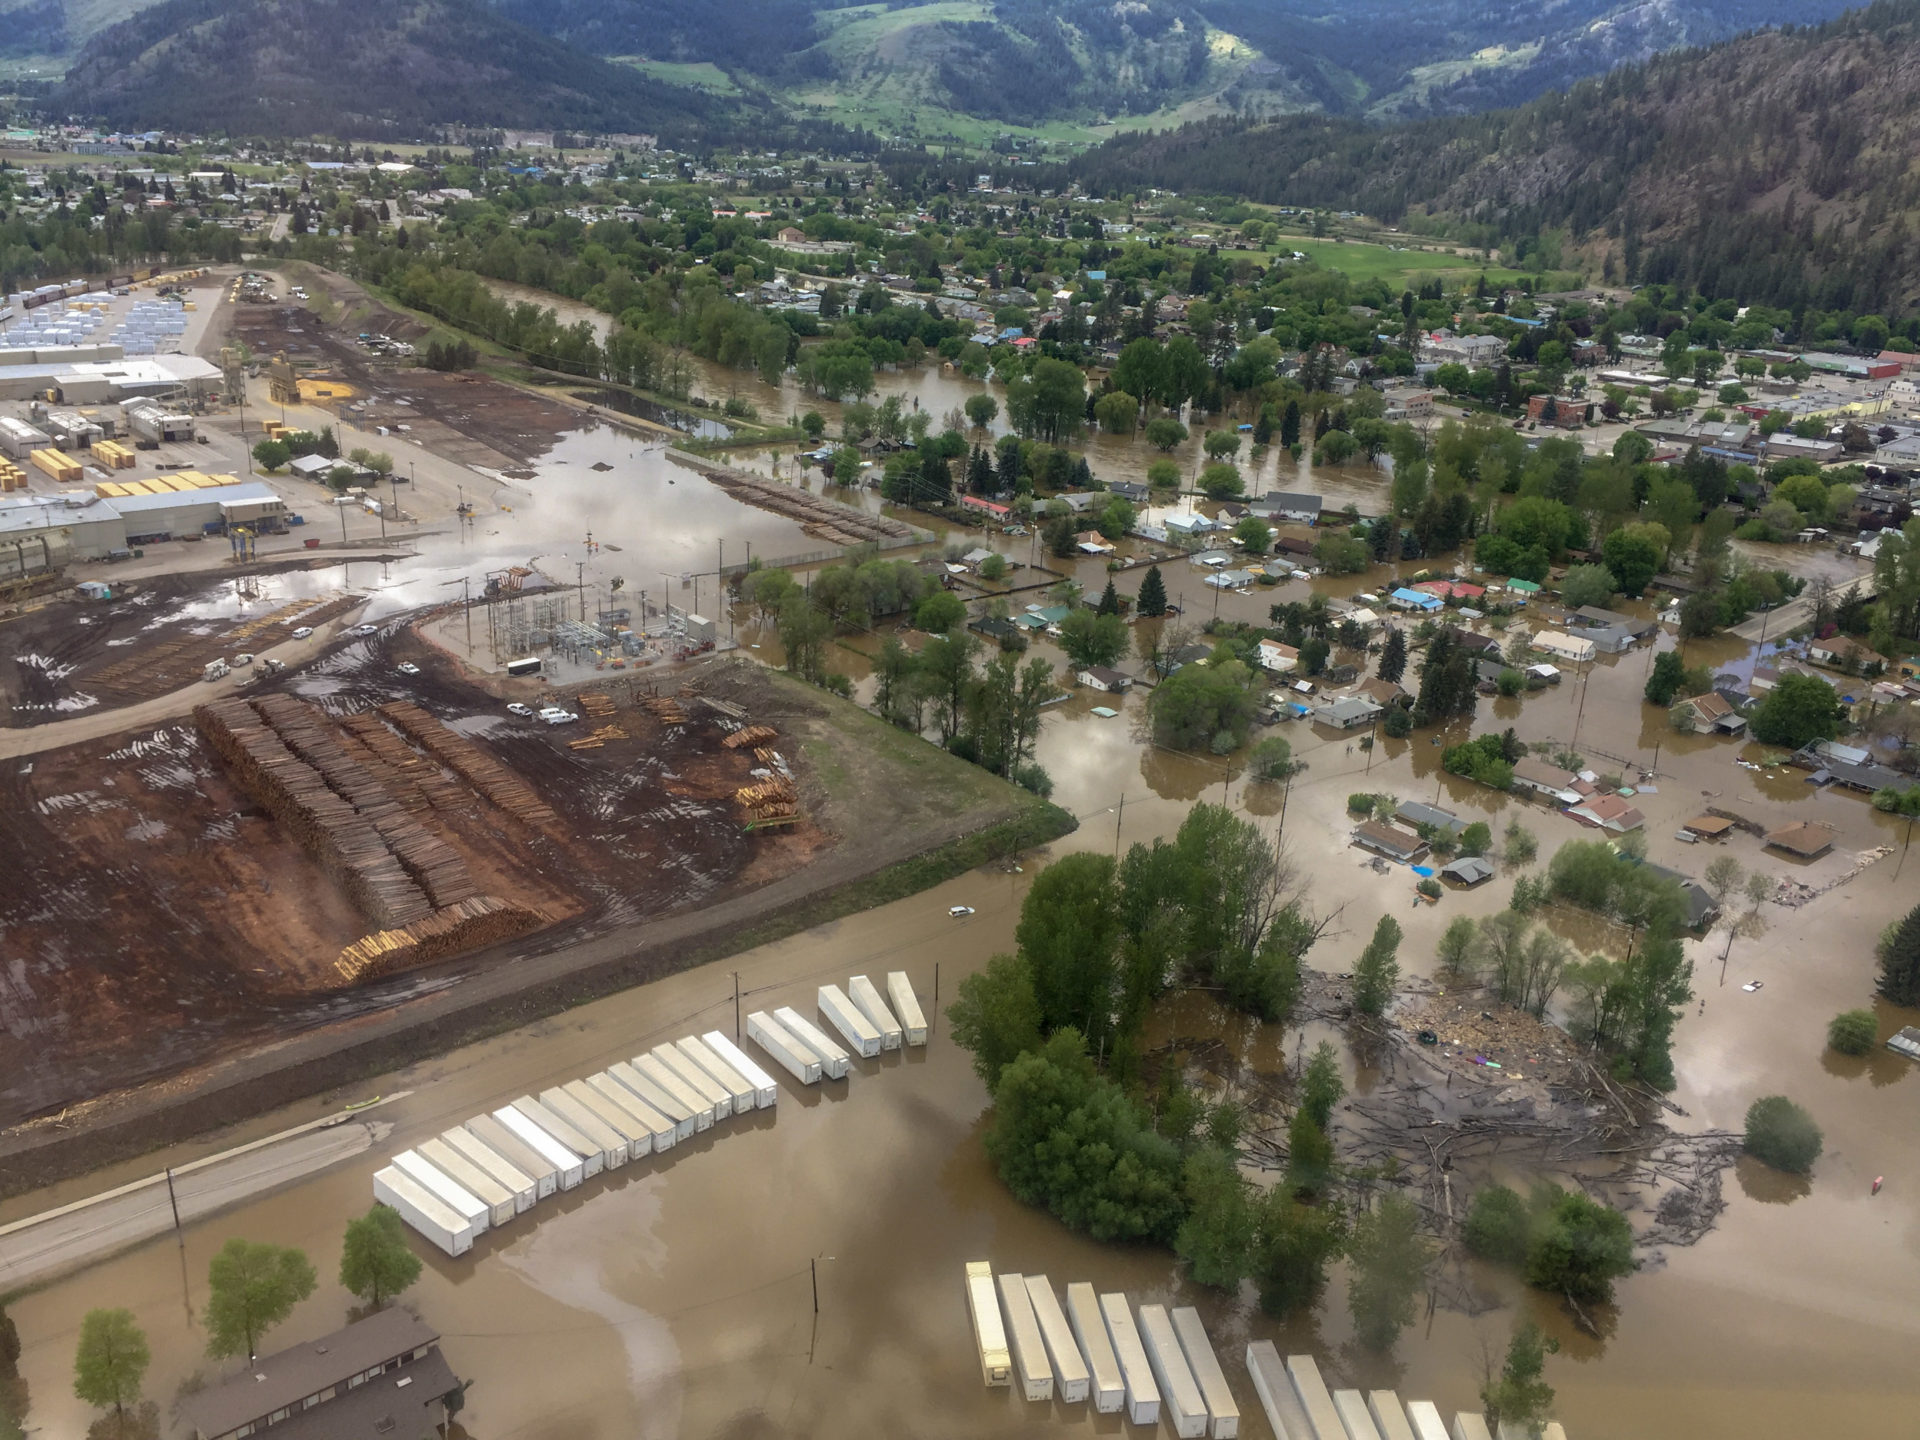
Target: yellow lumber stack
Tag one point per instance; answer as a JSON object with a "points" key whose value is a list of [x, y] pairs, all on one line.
{"points": [[113, 455], [12, 477], [60, 465]]}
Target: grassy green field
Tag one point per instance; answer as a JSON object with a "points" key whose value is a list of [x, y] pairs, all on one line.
{"points": [[704, 75]]}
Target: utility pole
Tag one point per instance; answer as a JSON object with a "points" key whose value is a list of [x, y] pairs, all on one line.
{"points": [[174, 1201], [580, 583], [466, 601], [736, 1006], [1119, 815]]}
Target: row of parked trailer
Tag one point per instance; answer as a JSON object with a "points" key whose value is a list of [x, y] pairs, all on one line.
{"points": [[1154, 1362], [1099, 1350], [498, 1165]]}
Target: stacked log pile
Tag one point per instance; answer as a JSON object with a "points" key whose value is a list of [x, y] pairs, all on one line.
{"points": [[428, 782], [665, 709], [595, 705], [752, 735], [481, 920], [827, 519], [470, 763]]}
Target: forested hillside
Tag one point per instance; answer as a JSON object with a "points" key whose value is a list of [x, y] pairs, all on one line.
{"points": [[1777, 168]]}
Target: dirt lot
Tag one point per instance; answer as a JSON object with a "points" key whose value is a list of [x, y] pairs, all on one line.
{"points": [[468, 418], [156, 636]]}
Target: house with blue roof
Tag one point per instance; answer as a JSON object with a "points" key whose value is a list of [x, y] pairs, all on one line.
{"points": [[1405, 599]]}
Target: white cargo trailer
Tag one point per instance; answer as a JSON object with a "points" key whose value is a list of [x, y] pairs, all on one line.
{"points": [[1352, 1406], [845, 1016], [989, 1335], [697, 1053], [1186, 1410], [1023, 1329], [593, 1156], [589, 1126], [1090, 1329], [508, 1144], [1223, 1411], [498, 1199], [1275, 1389], [1143, 1396], [638, 1137], [906, 1007], [789, 1053], [1389, 1416], [765, 1092], [1424, 1415], [696, 1079], [866, 998], [444, 1188], [570, 1167], [668, 1079], [1071, 1380], [445, 1228], [655, 1097], [1314, 1398], [660, 1130], [833, 1060], [1467, 1425], [476, 1151]]}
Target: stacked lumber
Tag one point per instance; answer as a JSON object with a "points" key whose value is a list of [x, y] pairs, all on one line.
{"points": [[431, 784], [752, 735], [666, 710], [750, 796], [481, 920], [773, 810], [596, 705], [436, 866], [765, 755], [470, 763], [594, 739], [346, 843]]}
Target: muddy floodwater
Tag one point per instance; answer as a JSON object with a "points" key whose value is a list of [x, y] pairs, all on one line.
{"points": [[675, 1298]]}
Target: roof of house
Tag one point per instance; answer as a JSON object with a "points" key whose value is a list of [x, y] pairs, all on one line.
{"points": [[1710, 706], [393, 1406], [1708, 825], [1381, 692], [291, 1375], [1109, 678], [1609, 812], [1538, 772], [1416, 813], [1807, 838], [1613, 619], [1700, 905], [1388, 837], [1468, 869], [1289, 500], [1348, 706]]}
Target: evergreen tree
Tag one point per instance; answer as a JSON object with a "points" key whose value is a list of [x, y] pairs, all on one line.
{"points": [[1519, 1397], [1389, 1258], [1109, 600], [1393, 657], [1082, 473], [1009, 467], [1152, 602], [936, 480], [1377, 968], [1900, 961], [980, 471], [1290, 424]]}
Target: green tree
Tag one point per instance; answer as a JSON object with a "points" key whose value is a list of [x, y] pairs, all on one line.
{"points": [[1579, 1248], [375, 1261], [1499, 1226], [996, 1016], [112, 1360], [1292, 1247], [940, 612], [1781, 1134], [1164, 475], [1090, 638], [1219, 444], [1152, 600], [1393, 656], [272, 455], [981, 408], [1271, 759], [1216, 1238], [1206, 706], [1221, 481], [1163, 433], [1456, 948], [1254, 534], [1669, 673], [1388, 1258], [1587, 585], [994, 568], [1633, 557], [1852, 1032], [1375, 972], [1519, 1396], [1476, 839], [1799, 709], [1899, 955], [1069, 935], [1290, 424], [1321, 1086], [1116, 412], [251, 1288]]}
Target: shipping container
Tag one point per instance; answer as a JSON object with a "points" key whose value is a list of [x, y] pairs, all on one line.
{"points": [[833, 1060], [684, 1095], [745, 1094], [765, 1092], [696, 1079], [1223, 1411], [661, 1128], [843, 1015], [444, 1188], [906, 1007], [1030, 1361], [593, 1157], [638, 1137], [1275, 1389], [1179, 1391], [656, 1096], [1143, 1396], [1467, 1425], [790, 1054], [1109, 1386], [1354, 1415], [498, 1199], [445, 1228], [1389, 1415], [1314, 1398], [569, 1167], [1071, 1381], [610, 1139], [541, 1167], [471, 1147], [866, 999], [1424, 1416], [989, 1335]]}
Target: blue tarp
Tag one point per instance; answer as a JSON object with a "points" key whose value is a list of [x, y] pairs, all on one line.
{"points": [[1426, 870]]}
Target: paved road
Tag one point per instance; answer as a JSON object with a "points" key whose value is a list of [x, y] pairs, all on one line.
{"points": [[31, 1250], [1782, 621]]}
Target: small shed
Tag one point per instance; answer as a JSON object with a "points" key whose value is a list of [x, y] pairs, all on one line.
{"points": [[1808, 840], [1468, 870], [1708, 827], [1099, 677]]}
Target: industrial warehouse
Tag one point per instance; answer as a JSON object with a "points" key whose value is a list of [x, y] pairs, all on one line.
{"points": [[98, 524]]}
